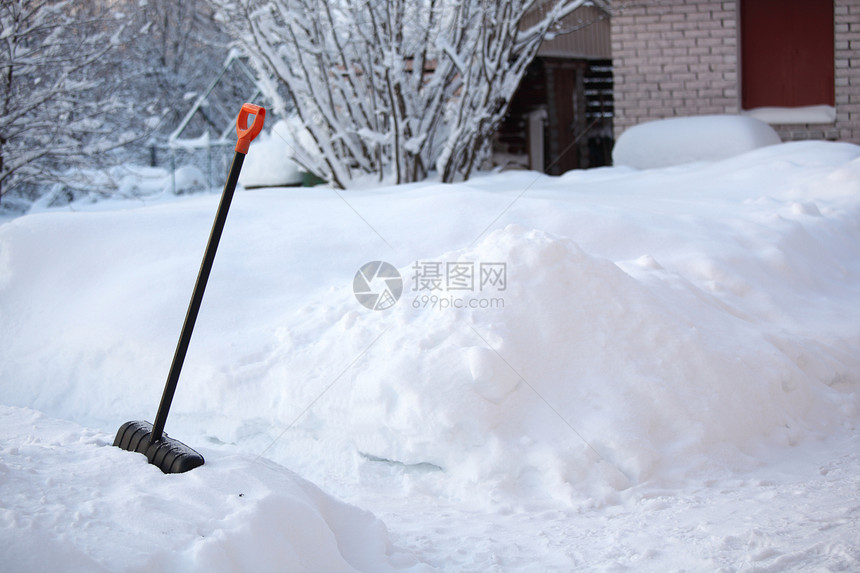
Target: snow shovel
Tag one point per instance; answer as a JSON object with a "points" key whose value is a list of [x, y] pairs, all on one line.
{"points": [[170, 455]]}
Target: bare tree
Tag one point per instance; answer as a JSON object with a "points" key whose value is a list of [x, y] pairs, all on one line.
{"points": [[84, 82], [52, 100], [394, 87], [176, 50]]}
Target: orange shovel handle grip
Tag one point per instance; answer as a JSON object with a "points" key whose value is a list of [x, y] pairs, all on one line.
{"points": [[245, 132]]}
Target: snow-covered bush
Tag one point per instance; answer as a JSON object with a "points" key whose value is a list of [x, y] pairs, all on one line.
{"points": [[392, 87]]}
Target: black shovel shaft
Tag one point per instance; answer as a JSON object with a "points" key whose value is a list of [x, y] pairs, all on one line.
{"points": [[196, 298]]}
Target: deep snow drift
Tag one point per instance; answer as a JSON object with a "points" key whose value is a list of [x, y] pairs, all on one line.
{"points": [[565, 351]]}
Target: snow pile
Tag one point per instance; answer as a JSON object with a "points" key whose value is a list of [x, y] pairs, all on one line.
{"points": [[545, 396], [73, 501], [114, 186], [654, 332], [679, 140], [269, 160]]}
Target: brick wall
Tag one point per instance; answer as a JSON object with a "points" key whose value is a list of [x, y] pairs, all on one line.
{"points": [[673, 58], [847, 39], [680, 57]]}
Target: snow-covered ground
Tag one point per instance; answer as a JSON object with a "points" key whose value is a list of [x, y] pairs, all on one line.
{"points": [[633, 370]]}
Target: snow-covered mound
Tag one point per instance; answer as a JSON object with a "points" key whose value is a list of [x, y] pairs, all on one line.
{"points": [[679, 140], [549, 395], [269, 161], [74, 502]]}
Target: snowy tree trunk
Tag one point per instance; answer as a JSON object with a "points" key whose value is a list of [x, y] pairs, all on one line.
{"points": [[394, 87]]}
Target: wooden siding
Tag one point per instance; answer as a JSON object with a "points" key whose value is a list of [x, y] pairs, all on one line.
{"points": [[584, 34]]}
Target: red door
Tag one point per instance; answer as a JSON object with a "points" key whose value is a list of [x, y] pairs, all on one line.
{"points": [[786, 53]]}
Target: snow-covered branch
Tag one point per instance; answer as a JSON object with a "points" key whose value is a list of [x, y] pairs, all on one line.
{"points": [[81, 79], [394, 87]]}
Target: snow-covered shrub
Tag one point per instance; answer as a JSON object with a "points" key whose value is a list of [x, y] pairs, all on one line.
{"points": [[392, 87]]}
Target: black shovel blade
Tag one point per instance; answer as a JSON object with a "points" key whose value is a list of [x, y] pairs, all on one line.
{"points": [[171, 456]]}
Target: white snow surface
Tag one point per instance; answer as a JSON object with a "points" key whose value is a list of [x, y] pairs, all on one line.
{"points": [[679, 140], [269, 161], [789, 115], [668, 379]]}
